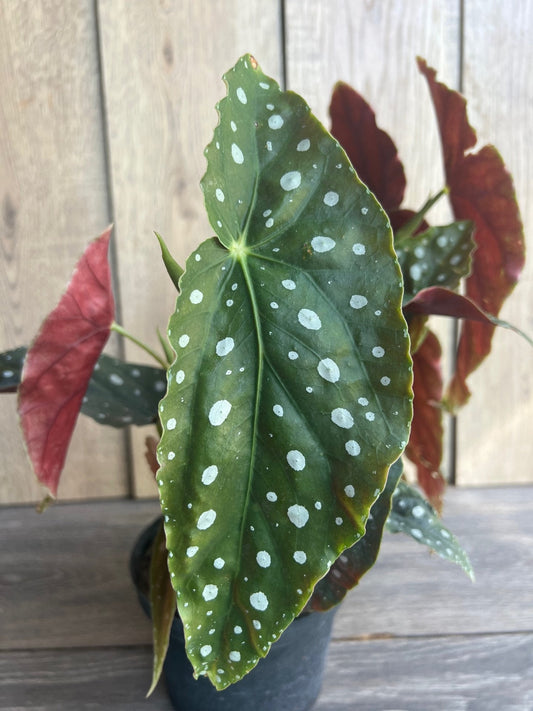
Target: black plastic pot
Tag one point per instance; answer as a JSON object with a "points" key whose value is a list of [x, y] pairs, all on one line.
{"points": [[287, 679]]}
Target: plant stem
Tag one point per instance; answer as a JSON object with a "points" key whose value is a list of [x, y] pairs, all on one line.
{"points": [[411, 226], [118, 329]]}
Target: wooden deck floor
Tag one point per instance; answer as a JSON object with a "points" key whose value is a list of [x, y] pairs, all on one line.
{"points": [[416, 635]]}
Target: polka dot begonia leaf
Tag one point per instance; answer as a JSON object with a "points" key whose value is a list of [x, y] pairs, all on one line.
{"points": [[290, 395], [413, 515], [439, 256], [119, 394]]}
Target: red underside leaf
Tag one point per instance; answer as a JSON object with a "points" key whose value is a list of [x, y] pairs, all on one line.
{"points": [[481, 190], [425, 443], [370, 150], [437, 301], [59, 364]]}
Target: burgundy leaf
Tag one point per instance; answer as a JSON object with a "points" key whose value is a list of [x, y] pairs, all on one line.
{"points": [[370, 150], [481, 190], [59, 364], [442, 302], [425, 442]]}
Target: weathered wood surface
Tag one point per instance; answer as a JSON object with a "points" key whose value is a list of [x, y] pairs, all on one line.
{"points": [[106, 108], [493, 440], [416, 635], [53, 201]]}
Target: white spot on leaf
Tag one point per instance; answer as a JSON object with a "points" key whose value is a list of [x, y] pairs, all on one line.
{"points": [[219, 195], [342, 418], [225, 346], [209, 474], [219, 412], [358, 301], [291, 180], [275, 121], [206, 519], [331, 198], [322, 244], [210, 592], [352, 447], [263, 559], [296, 460], [304, 145], [329, 370], [241, 95], [259, 601], [196, 296], [309, 319], [298, 515], [237, 154]]}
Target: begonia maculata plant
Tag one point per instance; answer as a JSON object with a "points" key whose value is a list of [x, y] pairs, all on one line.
{"points": [[284, 394]]}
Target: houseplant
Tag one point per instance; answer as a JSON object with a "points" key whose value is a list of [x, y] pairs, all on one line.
{"points": [[290, 396]]}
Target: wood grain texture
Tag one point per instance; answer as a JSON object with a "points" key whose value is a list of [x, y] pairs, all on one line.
{"points": [[456, 674], [77, 555], [52, 202], [495, 443], [412, 637], [163, 63]]}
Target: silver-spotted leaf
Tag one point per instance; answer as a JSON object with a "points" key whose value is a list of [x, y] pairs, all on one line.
{"points": [[439, 256], [290, 395], [412, 514], [11, 363], [119, 393]]}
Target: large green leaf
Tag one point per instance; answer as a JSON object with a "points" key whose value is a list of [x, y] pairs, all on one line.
{"points": [[290, 395]]}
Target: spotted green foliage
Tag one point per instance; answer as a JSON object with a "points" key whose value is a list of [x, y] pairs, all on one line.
{"points": [[122, 393], [290, 395], [355, 561], [119, 393], [412, 514], [11, 363], [439, 256]]}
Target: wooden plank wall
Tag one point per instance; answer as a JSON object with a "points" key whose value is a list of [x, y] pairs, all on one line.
{"points": [[106, 107]]}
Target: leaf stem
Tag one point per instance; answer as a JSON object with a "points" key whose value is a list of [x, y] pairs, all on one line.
{"points": [[122, 331], [411, 226]]}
